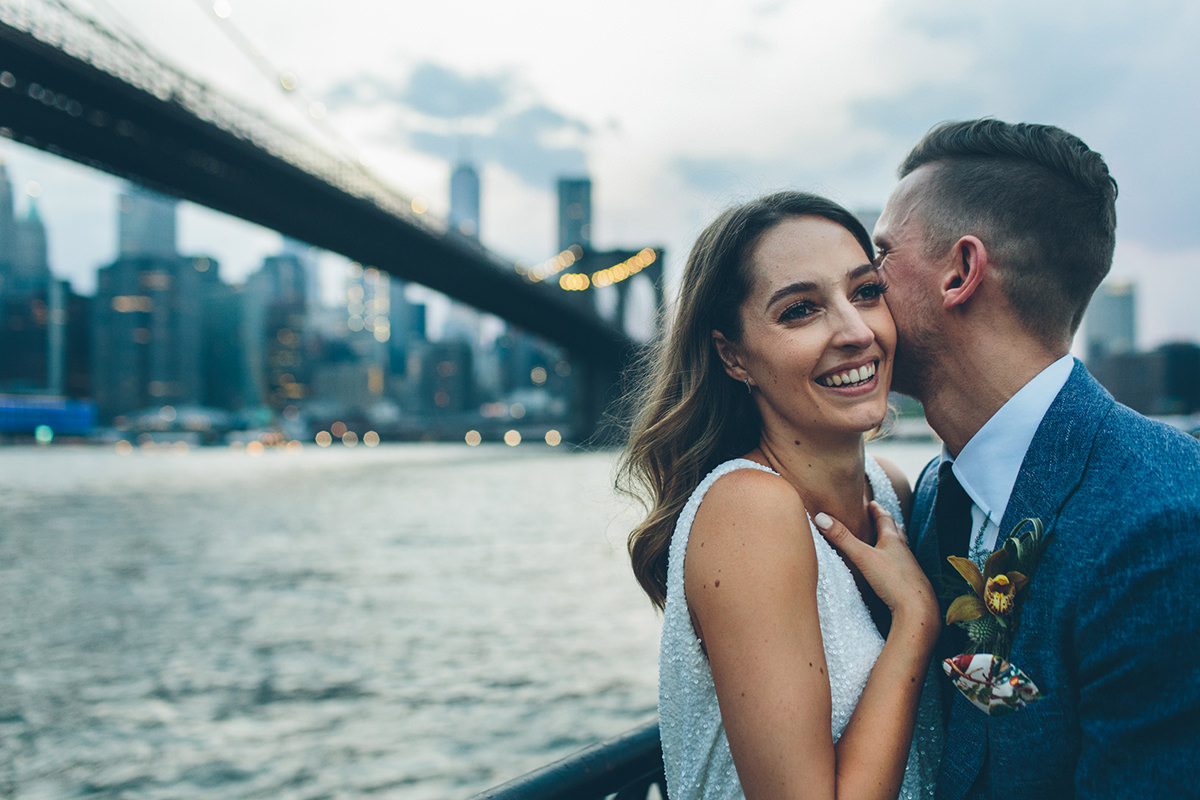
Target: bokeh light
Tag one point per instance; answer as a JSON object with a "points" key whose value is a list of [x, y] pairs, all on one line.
{"points": [[473, 438], [512, 438], [553, 438]]}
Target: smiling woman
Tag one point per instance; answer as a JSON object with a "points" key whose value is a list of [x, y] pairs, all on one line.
{"points": [[774, 676]]}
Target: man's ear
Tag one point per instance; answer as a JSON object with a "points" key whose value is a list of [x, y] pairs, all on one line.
{"points": [[730, 356], [971, 264]]}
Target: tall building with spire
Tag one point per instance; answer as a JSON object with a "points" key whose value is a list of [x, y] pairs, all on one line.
{"points": [[30, 265], [574, 213], [464, 200], [8, 227]]}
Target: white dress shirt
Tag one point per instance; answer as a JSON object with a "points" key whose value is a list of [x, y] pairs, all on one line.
{"points": [[988, 464]]}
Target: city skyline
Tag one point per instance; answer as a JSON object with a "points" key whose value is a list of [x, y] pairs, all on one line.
{"points": [[413, 105]]}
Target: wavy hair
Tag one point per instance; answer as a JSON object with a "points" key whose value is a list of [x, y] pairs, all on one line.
{"points": [[690, 415]]}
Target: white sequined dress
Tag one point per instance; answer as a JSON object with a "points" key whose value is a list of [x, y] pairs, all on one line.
{"points": [[695, 749]]}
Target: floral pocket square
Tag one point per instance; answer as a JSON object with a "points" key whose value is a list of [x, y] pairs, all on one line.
{"points": [[991, 683]]}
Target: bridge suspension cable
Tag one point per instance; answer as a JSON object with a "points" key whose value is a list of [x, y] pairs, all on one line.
{"points": [[311, 111], [61, 26]]}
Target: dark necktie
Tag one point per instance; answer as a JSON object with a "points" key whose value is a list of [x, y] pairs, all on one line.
{"points": [[952, 515]]}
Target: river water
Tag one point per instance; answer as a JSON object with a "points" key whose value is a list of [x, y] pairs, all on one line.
{"points": [[415, 621]]}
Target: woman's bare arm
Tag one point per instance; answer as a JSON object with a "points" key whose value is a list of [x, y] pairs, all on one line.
{"points": [[751, 580]]}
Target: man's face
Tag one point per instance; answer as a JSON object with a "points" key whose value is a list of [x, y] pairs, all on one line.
{"points": [[913, 294]]}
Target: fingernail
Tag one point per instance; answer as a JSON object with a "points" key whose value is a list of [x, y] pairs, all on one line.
{"points": [[823, 520]]}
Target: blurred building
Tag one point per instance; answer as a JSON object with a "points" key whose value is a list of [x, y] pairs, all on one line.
{"points": [[274, 332], [37, 327], [8, 217], [443, 379], [148, 333], [1110, 324], [868, 217], [145, 224], [464, 200], [147, 319], [574, 213]]}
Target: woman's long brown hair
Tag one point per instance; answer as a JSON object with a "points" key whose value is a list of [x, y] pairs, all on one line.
{"points": [[691, 415]]}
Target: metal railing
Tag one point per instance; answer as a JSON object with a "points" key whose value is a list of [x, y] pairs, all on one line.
{"points": [[625, 767]]}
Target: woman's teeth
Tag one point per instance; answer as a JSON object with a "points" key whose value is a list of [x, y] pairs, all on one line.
{"points": [[849, 378]]}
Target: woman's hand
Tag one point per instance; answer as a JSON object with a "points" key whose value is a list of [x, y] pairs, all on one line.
{"points": [[889, 567]]}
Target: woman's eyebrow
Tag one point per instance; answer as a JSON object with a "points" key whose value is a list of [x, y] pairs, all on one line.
{"points": [[799, 287], [792, 288]]}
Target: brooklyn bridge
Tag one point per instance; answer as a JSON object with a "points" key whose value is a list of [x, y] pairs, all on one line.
{"points": [[73, 87]]}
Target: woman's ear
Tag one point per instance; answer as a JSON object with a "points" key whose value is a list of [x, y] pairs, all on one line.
{"points": [[730, 357]]}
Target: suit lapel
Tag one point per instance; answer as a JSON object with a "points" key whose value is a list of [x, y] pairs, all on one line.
{"points": [[1050, 472], [1054, 464]]}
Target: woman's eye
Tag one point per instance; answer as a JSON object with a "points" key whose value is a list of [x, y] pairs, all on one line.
{"points": [[797, 311], [871, 291]]}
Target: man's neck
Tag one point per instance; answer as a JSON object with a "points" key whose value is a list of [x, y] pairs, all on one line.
{"points": [[967, 391]]}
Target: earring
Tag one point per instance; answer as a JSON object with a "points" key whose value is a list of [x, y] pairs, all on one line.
{"points": [[748, 389]]}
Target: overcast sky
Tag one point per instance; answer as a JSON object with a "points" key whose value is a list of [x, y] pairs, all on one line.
{"points": [[676, 110]]}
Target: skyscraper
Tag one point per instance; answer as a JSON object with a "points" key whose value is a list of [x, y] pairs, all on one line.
{"points": [[30, 257], [574, 213], [464, 200], [32, 316], [276, 320], [1110, 322], [146, 224], [8, 229], [147, 321]]}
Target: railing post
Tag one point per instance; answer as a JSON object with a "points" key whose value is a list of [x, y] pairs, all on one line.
{"points": [[624, 767]]}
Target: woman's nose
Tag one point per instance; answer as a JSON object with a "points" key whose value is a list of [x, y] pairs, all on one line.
{"points": [[852, 329]]}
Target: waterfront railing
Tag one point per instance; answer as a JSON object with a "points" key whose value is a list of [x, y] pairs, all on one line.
{"points": [[626, 767]]}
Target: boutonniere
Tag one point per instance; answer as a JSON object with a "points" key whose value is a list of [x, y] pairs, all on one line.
{"points": [[989, 614]]}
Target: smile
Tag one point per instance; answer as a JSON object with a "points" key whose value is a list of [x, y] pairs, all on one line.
{"points": [[853, 377]]}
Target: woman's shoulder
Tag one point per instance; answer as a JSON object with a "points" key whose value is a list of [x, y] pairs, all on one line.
{"points": [[745, 507], [744, 484]]}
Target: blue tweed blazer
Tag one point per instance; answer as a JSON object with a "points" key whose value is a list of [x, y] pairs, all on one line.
{"points": [[1110, 631]]}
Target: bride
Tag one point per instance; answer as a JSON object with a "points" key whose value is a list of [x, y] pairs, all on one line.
{"points": [[774, 678]]}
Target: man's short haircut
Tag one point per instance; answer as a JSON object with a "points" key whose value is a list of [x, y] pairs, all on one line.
{"points": [[1041, 201]]}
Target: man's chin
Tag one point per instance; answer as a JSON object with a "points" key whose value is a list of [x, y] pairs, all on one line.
{"points": [[908, 379]]}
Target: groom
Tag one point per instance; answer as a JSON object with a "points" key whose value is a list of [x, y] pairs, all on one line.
{"points": [[992, 244]]}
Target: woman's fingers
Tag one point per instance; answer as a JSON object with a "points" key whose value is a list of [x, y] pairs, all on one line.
{"points": [[885, 525], [837, 534]]}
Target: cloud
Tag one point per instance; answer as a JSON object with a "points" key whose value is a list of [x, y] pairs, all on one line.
{"points": [[1101, 75], [495, 119], [431, 89]]}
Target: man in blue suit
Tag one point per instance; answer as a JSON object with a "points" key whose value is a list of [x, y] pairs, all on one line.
{"points": [[992, 245]]}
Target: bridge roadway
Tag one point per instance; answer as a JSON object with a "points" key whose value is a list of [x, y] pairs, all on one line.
{"points": [[62, 103]]}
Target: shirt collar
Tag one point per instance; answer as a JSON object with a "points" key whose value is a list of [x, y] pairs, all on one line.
{"points": [[988, 464]]}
